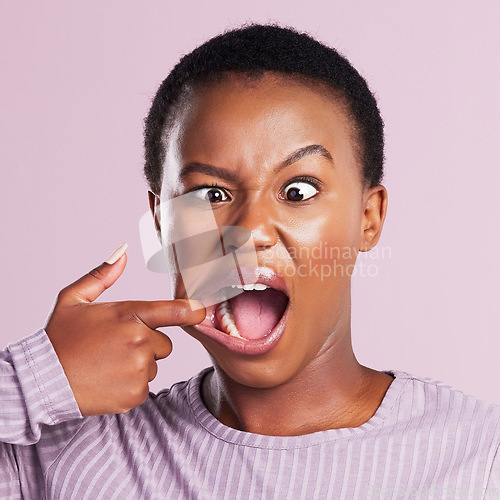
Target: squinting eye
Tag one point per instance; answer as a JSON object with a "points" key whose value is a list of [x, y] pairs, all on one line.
{"points": [[299, 191], [212, 194]]}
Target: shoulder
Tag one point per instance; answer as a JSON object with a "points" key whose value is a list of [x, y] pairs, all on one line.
{"points": [[431, 402]]}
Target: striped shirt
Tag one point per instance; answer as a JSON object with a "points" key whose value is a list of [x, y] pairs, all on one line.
{"points": [[426, 440]]}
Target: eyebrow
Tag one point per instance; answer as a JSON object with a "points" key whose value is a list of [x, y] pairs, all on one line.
{"points": [[312, 149], [210, 170], [222, 173]]}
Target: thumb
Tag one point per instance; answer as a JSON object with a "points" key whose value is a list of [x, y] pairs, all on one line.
{"points": [[89, 287]]}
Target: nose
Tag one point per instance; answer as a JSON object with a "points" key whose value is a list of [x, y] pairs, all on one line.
{"points": [[250, 221]]}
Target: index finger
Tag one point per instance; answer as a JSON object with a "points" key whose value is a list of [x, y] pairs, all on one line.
{"points": [[177, 312]]}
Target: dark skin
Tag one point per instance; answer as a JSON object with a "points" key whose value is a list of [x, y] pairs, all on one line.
{"points": [[311, 381], [109, 350]]}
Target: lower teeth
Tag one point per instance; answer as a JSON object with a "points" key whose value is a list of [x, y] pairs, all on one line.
{"points": [[225, 316]]}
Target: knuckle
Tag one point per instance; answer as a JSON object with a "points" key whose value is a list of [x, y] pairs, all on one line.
{"points": [[139, 339], [137, 395], [124, 312], [96, 273]]}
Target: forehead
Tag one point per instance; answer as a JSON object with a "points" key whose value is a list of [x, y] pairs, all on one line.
{"points": [[259, 120]]}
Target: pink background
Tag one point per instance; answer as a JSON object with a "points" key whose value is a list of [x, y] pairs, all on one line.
{"points": [[76, 84]]}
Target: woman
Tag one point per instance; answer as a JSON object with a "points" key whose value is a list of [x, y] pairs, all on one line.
{"points": [[281, 136]]}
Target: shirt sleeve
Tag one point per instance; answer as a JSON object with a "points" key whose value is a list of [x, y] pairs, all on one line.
{"points": [[34, 390], [493, 486]]}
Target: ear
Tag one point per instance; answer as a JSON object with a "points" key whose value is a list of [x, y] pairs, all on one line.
{"points": [[372, 220], [154, 206]]}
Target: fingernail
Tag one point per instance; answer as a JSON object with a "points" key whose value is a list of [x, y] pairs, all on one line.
{"points": [[195, 305], [117, 254]]}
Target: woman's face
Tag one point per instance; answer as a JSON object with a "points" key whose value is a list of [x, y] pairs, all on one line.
{"points": [[287, 171]]}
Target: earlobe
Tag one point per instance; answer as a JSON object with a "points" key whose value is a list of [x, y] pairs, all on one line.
{"points": [[372, 221]]}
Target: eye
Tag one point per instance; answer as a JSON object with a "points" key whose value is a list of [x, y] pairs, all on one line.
{"points": [[213, 194], [298, 191]]}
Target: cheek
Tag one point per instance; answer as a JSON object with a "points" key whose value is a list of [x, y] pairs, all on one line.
{"points": [[327, 236]]}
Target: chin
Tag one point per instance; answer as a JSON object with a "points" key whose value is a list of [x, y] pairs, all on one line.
{"points": [[266, 371]]}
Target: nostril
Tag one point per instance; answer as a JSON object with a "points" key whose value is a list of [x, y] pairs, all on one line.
{"points": [[234, 237]]}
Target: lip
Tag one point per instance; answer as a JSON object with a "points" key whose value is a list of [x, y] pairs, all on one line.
{"points": [[249, 275], [214, 288]]}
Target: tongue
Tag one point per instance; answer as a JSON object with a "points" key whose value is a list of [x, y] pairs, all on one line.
{"points": [[256, 313]]}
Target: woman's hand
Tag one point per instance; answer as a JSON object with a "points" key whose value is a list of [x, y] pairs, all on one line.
{"points": [[109, 349]]}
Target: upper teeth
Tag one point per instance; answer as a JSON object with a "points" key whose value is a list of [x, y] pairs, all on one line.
{"points": [[257, 286]]}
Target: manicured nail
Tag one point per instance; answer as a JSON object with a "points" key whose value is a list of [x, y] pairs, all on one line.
{"points": [[117, 254]]}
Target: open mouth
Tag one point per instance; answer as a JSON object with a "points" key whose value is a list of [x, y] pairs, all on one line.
{"points": [[252, 314], [248, 317]]}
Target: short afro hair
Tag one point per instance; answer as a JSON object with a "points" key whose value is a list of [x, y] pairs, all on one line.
{"points": [[253, 50]]}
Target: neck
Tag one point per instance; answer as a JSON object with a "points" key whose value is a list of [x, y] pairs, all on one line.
{"points": [[333, 391]]}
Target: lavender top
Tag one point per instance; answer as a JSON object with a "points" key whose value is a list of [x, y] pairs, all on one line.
{"points": [[426, 440]]}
